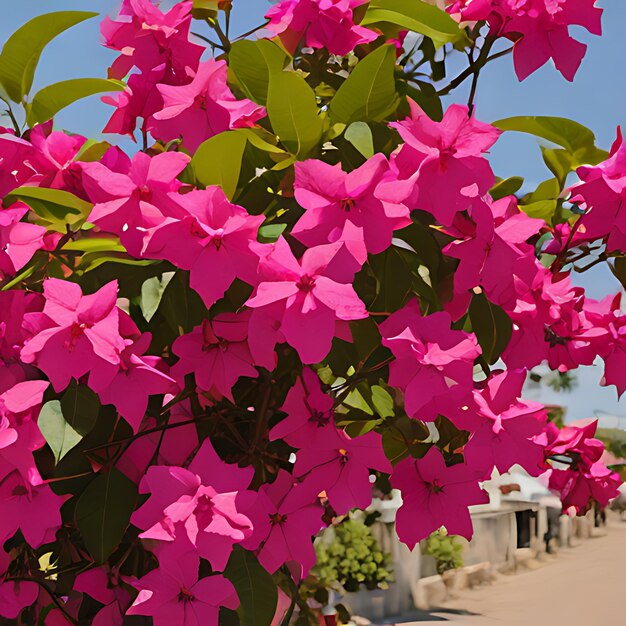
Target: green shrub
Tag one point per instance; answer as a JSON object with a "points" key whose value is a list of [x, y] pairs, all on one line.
{"points": [[446, 550]]}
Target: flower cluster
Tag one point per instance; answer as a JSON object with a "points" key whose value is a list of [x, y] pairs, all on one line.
{"points": [[198, 379]]}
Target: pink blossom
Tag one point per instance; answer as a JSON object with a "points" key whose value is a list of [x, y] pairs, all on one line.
{"points": [[314, 293], [341, 467], [433, 364], [203, 108], [493, 249], [198, 504], [15, 595], [435, 495], [15, 161], [217, 353], [174, 594], [128, 203], [333, 198], [210, 237], [56, 152], [310, 416], [35, 510], [75, 334], [608, 315], [549, 323], [505, 426], [285, 516], [129, 385], [19, 434], [322, 23], [18, 240], [148, 38], [174, 445], [602, 193], [540, 29], [104, 586], [443, 160]]}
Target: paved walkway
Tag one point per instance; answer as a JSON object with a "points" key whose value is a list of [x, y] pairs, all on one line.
{"points": [[583, 586]]}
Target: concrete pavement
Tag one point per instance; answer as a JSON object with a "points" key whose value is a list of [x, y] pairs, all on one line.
{"points": [[582, 586]]}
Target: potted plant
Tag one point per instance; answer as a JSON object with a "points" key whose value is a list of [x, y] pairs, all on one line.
{"points": [[447, 551]]}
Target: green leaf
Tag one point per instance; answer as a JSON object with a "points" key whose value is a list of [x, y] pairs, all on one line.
{"points": [[94, 243], [382, 401], [80, 407], [292, 109], [51, 99], [414, 15], [270, 232], [369, 93], [103, 512], [543, 202], [252, 63], [217, 161], [359, 134], [23, 48], [491, 325], [93, 260], [181, 306], [506, 187], [258, 594], [59, 435], [55, 208], [577, 139], [151, 293]]}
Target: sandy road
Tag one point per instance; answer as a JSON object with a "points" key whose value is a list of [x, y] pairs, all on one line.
{"points": [[583, 586]]}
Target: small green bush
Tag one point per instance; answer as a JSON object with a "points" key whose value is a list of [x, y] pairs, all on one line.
{"points": [[349, 555], [446, 550]]}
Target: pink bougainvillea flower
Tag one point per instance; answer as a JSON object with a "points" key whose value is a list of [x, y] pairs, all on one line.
{"points": [[54, 158], [75, 334], [202, 504], [16, 596], [434, 495], [314, 294], [147, 38], [310, 416], [203, 108], [16, 155], [174, 445], [433, 364], [173, 594], [506, 425], [493, 249], [608, 314], [341, 466], [35, 510], [331, 198], [285, 517], [19, 434], [211, 238], [18, 240], [580, 487], [128, 203], [443, 160], [217, 353], [321, 23], [129, 385], [549, 323], [576, 439], [602, 193], [540, 29], [140, 99], [100, 584]]}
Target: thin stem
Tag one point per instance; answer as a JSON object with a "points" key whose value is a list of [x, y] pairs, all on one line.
{"points": [[215, 25], [251, 32], [14, 121], [473, 69], [212, 43]]}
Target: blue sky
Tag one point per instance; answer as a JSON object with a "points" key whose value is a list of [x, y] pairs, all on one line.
{"points": [[597, 99]]}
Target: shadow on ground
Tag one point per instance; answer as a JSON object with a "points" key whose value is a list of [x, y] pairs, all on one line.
{"points": [[437, 615]]}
